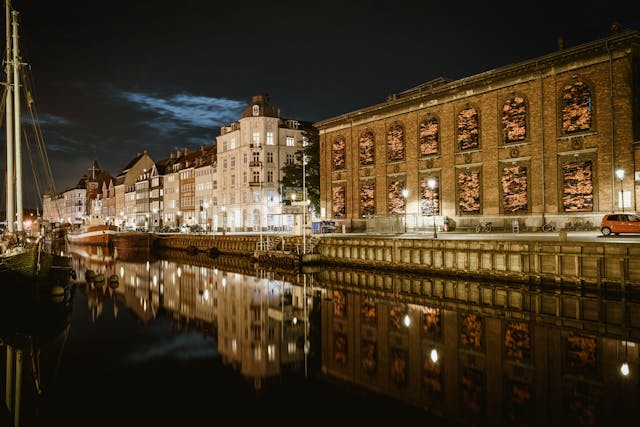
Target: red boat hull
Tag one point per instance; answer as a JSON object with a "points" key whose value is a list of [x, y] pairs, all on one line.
{"points": [[93, 235]]}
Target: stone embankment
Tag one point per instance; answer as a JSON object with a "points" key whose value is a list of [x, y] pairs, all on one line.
{"points": [[602, 264], [590, 263]]}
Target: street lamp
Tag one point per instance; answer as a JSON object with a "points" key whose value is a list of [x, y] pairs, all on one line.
{"points": [[432, 185], [405, 194], [620, 175]]}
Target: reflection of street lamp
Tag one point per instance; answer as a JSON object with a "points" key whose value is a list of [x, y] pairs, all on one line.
{"points": [[155, 217], [405, 194], [432, 185], [205, 205], [178, 224], [620, 175]]}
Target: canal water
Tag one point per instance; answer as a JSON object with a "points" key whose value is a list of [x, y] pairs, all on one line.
{"points": [[191, 340]]}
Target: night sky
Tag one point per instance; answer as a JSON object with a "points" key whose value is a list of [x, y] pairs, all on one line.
{"points": [[113, 78]]}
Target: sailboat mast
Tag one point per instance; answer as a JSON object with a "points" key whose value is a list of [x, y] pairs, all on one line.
{"points": [[17, 127], [11, 210]]}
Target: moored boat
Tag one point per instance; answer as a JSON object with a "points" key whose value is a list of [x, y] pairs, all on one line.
{"points": [[24, 261], [95, 232]]}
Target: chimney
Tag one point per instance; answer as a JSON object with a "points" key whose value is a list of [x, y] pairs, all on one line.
{"points": [[615, 27], [171, 155], [186, 151], [560, 42]]}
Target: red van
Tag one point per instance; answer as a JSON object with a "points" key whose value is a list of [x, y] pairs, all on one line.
{"points": [[619, 223]]}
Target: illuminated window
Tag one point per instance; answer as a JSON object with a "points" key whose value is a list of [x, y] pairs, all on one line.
{"points": [[291, 141], [270, 138], [576, 107], [514, 120], [468, 129], [395, 143]]}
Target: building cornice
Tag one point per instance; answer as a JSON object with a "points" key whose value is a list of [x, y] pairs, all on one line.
{"points": [[440, 90]]}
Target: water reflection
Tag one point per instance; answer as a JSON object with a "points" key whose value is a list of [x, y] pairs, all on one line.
{"points": [[258, 317], [33, 332], [484, 353], [469, 353]]}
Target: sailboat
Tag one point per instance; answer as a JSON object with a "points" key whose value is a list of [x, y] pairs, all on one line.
{"points": [[23, 257]]}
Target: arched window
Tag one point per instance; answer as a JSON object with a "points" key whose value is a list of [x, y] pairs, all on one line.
{"points": [[429, 137], [514, 120], [468, 129], [395, 143], [367, 148], [338, 155], [576, 107]]}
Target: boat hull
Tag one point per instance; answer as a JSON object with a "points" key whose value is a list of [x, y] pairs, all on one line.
{"points": [[93, 235], [35, 269]]}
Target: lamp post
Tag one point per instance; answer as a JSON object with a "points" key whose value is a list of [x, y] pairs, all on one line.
{"points": [[432, 185], [620, 175], [304, 206], [405, 194]]}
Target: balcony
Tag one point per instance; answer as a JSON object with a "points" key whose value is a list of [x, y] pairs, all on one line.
{"points": [[255, 164], [255, 184], [255, 145]]}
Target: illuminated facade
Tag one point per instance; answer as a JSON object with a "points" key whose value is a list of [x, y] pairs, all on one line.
{"points": [[533, 142], [250, 155]]}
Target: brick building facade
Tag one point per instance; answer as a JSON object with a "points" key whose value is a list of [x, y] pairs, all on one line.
{"points": [[535, 142]]}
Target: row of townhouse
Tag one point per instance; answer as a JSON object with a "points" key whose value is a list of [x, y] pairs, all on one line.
{"points": [[233, 184]]}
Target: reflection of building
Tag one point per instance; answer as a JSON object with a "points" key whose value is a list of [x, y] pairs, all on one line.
{"points": [[260, 322], [260, 326], [492, 354], [533, 141]]}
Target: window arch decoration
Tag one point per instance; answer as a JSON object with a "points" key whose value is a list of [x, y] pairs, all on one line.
{"points": [[367, 148], [395, 142], [429, 136], [338, 153], [577, 107], [514, 119], [468, 129]]}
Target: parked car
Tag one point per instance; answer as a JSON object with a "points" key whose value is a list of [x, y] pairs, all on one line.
{"points": [[619, 223]]}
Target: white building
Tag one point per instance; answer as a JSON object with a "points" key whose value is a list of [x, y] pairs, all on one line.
{"points": [[251, 153]]}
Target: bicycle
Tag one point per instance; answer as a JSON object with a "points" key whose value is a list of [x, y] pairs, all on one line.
{"points": [[549, 226], [484, 226]]}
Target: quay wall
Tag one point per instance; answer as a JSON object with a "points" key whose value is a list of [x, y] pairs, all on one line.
{"points": [[598, 263], [539, 261], [236, 244]]}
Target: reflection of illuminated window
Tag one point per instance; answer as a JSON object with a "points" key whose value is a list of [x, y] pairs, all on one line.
{"points": [[291, 347], [271, 352], [257, 353], [234, 346]]}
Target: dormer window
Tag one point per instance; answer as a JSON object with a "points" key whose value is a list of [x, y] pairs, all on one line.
{"points": [[256, 110]]}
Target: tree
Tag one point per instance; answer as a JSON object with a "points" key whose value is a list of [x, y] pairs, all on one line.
{"points": [[292, 173]]}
